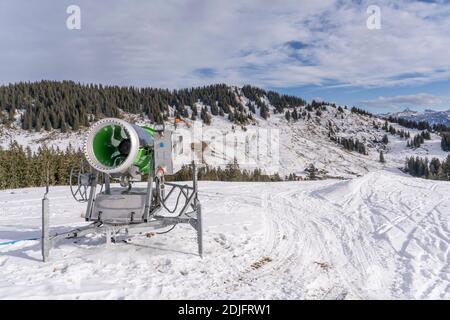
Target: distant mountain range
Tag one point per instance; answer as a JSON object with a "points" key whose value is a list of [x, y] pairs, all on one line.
{"points": [[428, 115]]}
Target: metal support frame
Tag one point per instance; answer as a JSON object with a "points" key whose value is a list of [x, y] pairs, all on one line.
{"points": [[45, 240], [151, 219], [92, 193], [149, 197]]}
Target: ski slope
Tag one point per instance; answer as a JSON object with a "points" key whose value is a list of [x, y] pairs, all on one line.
{"points": [[383, 235]]}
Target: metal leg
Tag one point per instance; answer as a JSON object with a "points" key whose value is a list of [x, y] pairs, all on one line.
{"points": [[198, 209], [108, 236], [199, 230], [91, 196], [107, 184], [197, 224], [194, 181], [45, 239], [148, 199]]}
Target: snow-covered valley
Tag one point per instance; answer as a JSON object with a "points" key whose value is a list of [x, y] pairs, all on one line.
{"points": [[383, 235]]}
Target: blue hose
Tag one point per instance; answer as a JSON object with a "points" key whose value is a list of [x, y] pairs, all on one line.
{"points": [[15, 241]]}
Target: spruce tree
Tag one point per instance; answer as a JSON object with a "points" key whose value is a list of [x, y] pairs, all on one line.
{"points": [[382, 157], [287, 115], [311, 172], [445, 141]]}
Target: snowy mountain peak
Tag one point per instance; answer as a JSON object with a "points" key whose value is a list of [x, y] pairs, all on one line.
{"points": [[429, 115], [408, 110]]}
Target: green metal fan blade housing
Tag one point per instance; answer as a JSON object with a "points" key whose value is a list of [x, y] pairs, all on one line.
{"points": [[106, 144]]}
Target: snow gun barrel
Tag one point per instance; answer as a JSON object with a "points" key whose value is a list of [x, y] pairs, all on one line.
{"points": [[114, 146]]}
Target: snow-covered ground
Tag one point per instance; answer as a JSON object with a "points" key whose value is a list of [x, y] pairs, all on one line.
{"points": [[383, 235]]}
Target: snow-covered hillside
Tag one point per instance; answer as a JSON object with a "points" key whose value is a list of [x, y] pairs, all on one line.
{"points": [[384, 235], [293, 144]]}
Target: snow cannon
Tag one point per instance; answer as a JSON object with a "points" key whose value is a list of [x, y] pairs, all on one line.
{"points": [[116, 147]]}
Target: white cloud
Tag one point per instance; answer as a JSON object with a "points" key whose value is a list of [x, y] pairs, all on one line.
{"points": [[408, 101], [167, 43]]}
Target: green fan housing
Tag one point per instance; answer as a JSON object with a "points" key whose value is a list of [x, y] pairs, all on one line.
{"points": [[111, 145]]}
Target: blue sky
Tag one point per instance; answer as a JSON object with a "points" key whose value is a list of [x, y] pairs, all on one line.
{"points": [[313, 49], [433, 95]]}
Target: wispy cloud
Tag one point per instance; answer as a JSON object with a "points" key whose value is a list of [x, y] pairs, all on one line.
{"points": [[421, 100], [170, 43]]}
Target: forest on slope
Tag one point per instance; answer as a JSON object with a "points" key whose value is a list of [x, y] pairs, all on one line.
{"points": [[68, 105], [21, 168]]}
